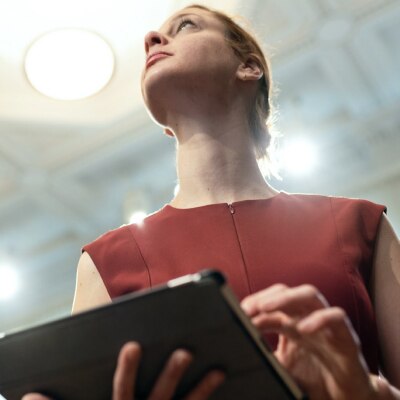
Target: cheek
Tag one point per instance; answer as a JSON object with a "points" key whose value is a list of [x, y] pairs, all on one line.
{"points": [[203, 47], [211, 59], [196, 61]]}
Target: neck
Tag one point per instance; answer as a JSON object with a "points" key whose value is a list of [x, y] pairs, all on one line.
{"points": [[216, 164]]}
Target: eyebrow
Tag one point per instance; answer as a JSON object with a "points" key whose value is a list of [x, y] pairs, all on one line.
{"points": [[179, 16]]}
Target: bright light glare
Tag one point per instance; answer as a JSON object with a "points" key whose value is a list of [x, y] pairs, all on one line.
{"points": [[8, 282], [298, 157], [137, 217], [176, 189], [69, 64]]}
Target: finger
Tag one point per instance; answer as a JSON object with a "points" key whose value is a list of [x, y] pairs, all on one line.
{"points": [[171, 375], [296, 302], [329, 335], [250, 304], [270, 322], [125, 373], [335, 325], [206, 386], [35, 396], [325, 333], [331, 322]]}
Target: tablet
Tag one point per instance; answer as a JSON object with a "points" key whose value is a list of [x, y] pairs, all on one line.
{"points": [[74, 358]]}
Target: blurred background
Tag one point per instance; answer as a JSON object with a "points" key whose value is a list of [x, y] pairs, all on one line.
{"points": [[79, 154]]}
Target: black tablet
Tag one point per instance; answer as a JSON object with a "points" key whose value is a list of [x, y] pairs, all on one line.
{"points": [[74, 358]]}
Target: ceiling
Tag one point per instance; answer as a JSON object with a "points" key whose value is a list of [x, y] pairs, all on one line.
{"points": [[71, 170]]}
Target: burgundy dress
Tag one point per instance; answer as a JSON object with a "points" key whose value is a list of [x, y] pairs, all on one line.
{"points": [[290, 238]]}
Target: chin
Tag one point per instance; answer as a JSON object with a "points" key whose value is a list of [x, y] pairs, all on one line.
{"points": [[156, 83], [159, 91]]}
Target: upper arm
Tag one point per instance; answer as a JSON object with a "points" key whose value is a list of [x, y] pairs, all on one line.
{"points": [[385, 293], [90, 290]]}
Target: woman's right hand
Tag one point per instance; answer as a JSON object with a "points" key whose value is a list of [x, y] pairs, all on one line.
{"points": [[169, 378]]}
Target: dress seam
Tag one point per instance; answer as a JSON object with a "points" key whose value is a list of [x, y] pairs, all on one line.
{"points": [[349, 272], [241, 251], [141, 255]]}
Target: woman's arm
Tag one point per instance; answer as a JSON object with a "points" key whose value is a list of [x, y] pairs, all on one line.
{"points": [[385, 293], [90, 290]]}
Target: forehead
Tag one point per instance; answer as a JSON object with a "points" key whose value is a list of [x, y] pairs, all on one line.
{"points": [[205, 15]]}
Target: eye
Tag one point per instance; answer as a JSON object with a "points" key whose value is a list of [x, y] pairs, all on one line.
{"points": [[184, 23]]}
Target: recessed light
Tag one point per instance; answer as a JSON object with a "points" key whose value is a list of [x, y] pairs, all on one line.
{"points": [[69, 64]]}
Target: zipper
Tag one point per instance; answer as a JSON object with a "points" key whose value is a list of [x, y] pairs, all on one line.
{"points": [[232, 211]]}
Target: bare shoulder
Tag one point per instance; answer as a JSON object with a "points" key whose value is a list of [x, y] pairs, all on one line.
{"points": [[386, 230], [386, 266], [385, 293], [90, 290], [387, 250]]}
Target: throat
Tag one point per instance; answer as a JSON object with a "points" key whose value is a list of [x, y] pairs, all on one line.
{"points": [[218, 167]]}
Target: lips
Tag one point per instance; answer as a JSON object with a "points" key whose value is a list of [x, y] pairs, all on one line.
{"points": [[153, 58]]}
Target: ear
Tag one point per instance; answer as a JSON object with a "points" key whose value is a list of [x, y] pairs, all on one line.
{"points": [[250, 70], [168, 132]]}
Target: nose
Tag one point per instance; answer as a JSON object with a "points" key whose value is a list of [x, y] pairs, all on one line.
{"points": [[153, 38]]}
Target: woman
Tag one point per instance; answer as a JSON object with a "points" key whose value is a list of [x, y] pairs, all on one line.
{"points": [[287, 257]]}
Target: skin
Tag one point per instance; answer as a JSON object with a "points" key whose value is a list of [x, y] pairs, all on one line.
{"points": [[385, 294], [216, 163]]}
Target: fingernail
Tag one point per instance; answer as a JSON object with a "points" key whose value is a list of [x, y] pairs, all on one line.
{"points": [[133, 349], [246, 306], [182, 357], [249, 309], [33, 396]]}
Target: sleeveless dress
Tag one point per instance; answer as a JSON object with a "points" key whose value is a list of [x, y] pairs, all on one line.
{"points": [[290, 238]]}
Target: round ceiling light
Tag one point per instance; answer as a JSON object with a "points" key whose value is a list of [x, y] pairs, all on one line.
{"points": [[69, 64]]}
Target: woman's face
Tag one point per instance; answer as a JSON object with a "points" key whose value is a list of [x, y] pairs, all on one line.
{"points": [[186, 60]]}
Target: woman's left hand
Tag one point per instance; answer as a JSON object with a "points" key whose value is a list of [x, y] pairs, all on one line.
{"points": [[317, 343]]}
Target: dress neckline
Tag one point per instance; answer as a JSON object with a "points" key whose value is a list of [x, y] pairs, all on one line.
{"points": [[234, 204]]}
